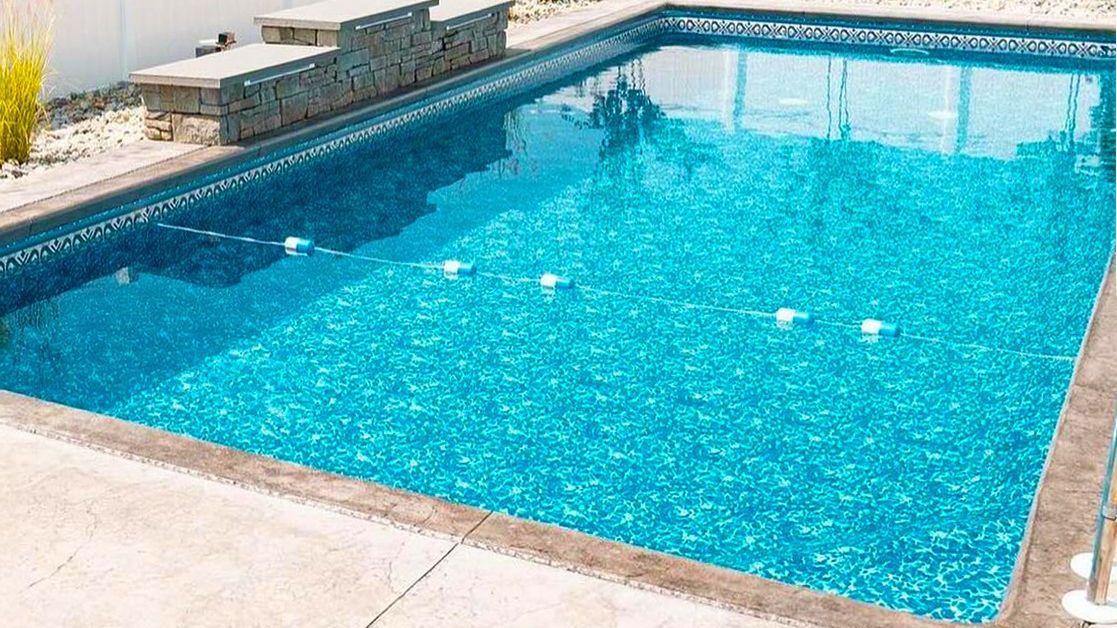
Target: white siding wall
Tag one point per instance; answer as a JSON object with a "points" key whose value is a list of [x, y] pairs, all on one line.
{"points": [[98, 42]]}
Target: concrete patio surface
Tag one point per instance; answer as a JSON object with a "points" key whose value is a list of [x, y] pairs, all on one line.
{"points": [[93, 539], [43, 185]]}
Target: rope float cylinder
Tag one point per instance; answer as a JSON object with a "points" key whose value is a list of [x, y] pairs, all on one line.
{"points": [[298, 246], [552, 281], [874, 327], [454, 268], [788, 317]]}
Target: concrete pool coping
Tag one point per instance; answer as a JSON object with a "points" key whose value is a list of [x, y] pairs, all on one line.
{"points": [[1062, 516]]}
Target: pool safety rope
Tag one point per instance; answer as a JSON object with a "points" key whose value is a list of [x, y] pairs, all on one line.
{"points": [[785, 317], [303, 247]]}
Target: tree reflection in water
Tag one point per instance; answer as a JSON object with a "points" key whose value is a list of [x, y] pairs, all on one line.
{"points": [[637, 132]]}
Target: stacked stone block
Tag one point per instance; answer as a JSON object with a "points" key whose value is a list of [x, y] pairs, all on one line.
{"points": [[373, 60], [476, 41], [238, 112]]}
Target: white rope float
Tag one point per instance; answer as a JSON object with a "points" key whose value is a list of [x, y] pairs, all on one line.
{"points": [[785, 317], [874, 327], [789, 317]]}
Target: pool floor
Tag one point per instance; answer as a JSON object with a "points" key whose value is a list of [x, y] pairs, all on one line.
{"points": [[684, 188]]}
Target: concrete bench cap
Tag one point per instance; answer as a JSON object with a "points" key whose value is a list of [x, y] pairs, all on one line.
{"points": [[454, 12], [254, 62], [335, 15]]}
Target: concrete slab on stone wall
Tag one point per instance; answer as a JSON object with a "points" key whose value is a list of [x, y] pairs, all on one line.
{"points": [[341, 14], [254, 63], [455, 12]]}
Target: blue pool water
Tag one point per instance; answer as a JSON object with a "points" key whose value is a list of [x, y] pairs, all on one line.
{"points": [[967, 202]]}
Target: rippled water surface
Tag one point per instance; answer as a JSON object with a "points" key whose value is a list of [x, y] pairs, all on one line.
{"points": [[967, 203]]}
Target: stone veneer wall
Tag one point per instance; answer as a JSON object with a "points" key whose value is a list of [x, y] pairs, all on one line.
{"points": [[372, 62], [376, 60], [237, 112], [476, 41]]}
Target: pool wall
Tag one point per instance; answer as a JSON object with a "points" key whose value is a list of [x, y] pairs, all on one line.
{"points": [[1062, 516]]}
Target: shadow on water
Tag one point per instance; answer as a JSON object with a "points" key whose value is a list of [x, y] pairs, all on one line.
{"points": [[343, 201], [187, 298]]}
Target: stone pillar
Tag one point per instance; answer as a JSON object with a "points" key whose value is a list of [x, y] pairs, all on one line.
{"points": [[358, 62]]}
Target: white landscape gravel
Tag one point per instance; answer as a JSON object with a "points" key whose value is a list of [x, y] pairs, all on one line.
{"points": [[532, 10], [82, 125], [89, 123], [1084, 9]]}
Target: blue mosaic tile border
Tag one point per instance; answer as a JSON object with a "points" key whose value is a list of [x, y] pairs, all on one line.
{"points": [[956, 40], [536, 73]]}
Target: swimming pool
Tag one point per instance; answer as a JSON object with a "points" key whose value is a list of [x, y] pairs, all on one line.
{"points": [[685, 185]]}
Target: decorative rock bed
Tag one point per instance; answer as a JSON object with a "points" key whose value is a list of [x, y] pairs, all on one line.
{"points": [[82, 125], [317, 59]]}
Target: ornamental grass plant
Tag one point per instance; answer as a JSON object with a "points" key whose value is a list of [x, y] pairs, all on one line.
{"points": [[25, 41]]}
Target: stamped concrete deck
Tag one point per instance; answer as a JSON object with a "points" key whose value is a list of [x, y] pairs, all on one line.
{"points": [[1063, 516], [92, 539], [38, 187]]}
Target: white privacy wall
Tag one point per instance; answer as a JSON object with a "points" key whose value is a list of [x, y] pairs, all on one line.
{"points": [[98, 42]]}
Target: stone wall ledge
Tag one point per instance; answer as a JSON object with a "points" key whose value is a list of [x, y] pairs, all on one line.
{"points": [[339, 15], [462, 12], [254, 62]]}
